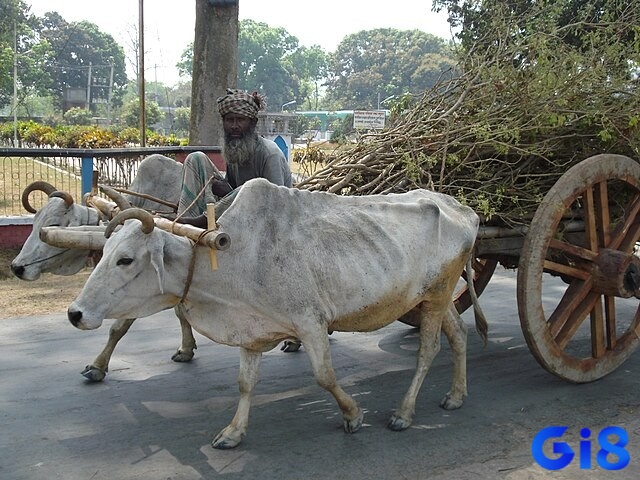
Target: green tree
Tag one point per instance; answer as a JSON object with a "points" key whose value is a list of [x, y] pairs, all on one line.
{"points": [[78, 49], [308, 67], [271, 61], [185, 64], [582, 27], [130, 115], [17, 25], [372, 65], [12, 13], [261, 51], [181, 118], [78, 116]]}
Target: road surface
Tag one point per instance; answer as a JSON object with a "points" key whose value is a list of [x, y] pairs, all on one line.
{"points": [[154, 419]]}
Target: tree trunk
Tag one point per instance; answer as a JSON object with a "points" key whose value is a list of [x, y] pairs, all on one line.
{"points": [[215, 68]]}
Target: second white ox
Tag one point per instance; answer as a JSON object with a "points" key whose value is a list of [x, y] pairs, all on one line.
{"points": [[158, 176], [300, 263]]}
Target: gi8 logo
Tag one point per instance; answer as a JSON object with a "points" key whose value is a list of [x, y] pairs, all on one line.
{"points": [[566, 452]]}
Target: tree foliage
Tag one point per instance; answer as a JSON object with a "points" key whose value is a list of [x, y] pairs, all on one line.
{"points": [[540, 86], [271, 61], [131, 113], [79, 48], [15, 19], [309, 68], [53, 55], [372, 65], [78, 116], [262, 51], [367, 67]]}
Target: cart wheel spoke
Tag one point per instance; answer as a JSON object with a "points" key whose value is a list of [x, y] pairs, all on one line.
{"points": [[627, 232], [576, 318], [562, 319], [595, 325]]}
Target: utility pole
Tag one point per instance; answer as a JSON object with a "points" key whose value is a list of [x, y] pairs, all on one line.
{"points": [[141, 93], [215, 67], [110, 93], [15, 84], [89, 89]]}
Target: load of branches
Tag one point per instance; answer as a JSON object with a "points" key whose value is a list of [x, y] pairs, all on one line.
{"points": [[536, 92]]}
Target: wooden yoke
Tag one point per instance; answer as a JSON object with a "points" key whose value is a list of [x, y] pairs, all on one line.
{"points": [[211, 238], [107, 208]]}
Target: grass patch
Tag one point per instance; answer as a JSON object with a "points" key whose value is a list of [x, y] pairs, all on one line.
{"points": [[18, 172]]}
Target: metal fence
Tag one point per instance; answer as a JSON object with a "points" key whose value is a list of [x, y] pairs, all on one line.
{"points": [[71, 170]]}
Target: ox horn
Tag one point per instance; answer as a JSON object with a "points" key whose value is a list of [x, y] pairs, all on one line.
{"points": [[117, 197], [68, 199], [139, 214], [39, 186]]}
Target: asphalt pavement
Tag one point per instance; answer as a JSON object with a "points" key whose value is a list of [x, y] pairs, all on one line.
{"points": [[154, 419]]}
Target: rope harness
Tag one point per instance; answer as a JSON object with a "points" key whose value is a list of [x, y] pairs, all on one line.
{"points": [[194, 244], [192, 265]]}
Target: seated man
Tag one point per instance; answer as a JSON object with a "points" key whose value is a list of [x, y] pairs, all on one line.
{"points": [[247, 155]]}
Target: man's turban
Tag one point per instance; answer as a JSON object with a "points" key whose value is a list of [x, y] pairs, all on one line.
{"points": [[241, 103]]}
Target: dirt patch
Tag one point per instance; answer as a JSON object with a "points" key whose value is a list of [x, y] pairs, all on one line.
{"points": [[49, 294]]}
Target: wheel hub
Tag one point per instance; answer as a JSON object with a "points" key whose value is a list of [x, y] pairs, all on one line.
{"points": [[617, 273]]}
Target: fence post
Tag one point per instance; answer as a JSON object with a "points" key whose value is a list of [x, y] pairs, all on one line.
{"points": [[86, 174]]}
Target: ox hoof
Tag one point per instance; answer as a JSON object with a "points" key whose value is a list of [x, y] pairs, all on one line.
{"points": [[290, 346], [93, 374], [182, 356], [354, 424], [451, 403], [227, 439], [397, 424]]}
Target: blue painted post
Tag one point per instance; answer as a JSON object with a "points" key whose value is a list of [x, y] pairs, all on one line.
{"points": [[282, 143], [86, 175]]}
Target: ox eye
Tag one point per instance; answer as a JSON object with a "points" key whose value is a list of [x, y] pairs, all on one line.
{"points": [[124, 261]]}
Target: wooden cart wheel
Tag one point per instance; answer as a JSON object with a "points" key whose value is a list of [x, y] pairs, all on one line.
{"points": [[482, 271], [582, 248]]}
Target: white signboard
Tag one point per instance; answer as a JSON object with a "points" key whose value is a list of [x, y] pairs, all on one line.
{"points": [[367, 119]]}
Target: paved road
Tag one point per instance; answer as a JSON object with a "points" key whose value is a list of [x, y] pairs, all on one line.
{"points": [[154, 419]]}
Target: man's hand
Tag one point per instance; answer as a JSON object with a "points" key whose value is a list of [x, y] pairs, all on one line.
{"points": [[220, 187], [199, 221]]}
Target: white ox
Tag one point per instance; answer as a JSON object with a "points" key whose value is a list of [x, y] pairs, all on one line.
{"points": [[158, 176], [299, 264]]}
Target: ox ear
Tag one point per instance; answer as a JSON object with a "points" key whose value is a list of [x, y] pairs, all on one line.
{"points": [[157, 260]]}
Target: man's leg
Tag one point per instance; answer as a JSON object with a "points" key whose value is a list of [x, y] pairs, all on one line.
{"points": [[197, 170]]}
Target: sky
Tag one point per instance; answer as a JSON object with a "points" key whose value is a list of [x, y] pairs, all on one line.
{"points": [[169, 24]]}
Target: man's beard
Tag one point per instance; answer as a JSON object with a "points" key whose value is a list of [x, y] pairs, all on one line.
{"points": [[240, 151]]}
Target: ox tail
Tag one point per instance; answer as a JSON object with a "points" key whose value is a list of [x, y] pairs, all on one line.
{"points": [[482, 326]]}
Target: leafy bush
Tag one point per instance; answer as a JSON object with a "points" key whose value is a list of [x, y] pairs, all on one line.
{"points": [[77, 116], [81, 136]]}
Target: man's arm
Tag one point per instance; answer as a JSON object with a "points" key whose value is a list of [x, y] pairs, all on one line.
{"points": [[199, 221], [275, 167]]}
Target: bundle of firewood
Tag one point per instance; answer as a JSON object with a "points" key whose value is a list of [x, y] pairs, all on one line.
{"points": [[496, 134]]}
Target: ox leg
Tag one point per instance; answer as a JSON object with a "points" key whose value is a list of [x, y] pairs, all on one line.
{"points": [[430, 327], [97, 370], [320, 357], [232, 434], [456, 333], [186, 350]]}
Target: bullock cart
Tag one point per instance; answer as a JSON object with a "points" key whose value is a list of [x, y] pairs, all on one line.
{"points": [[582, 242]]}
